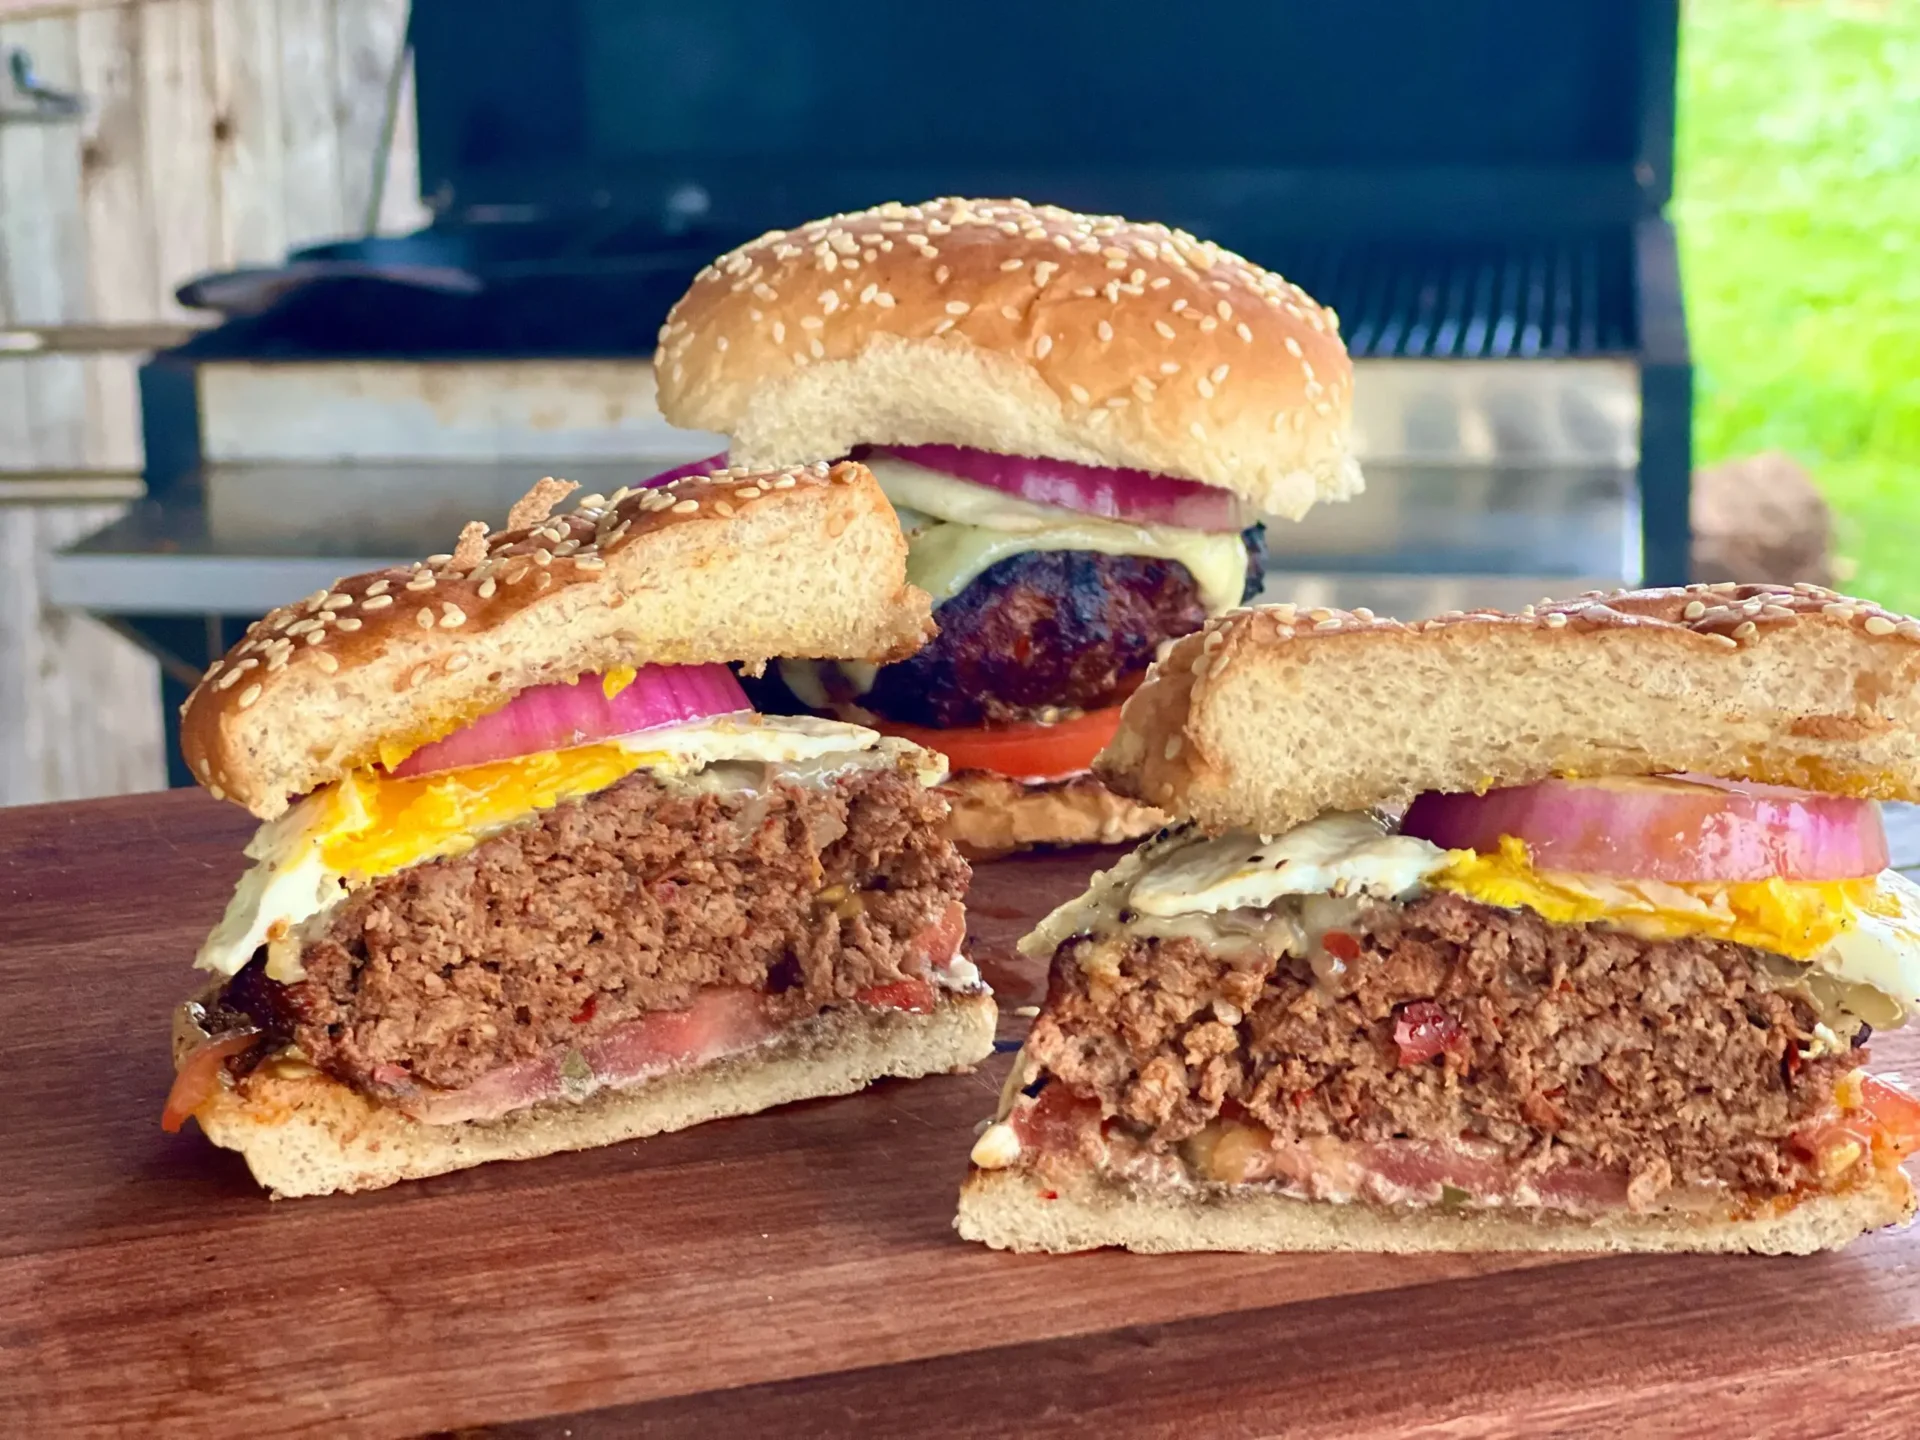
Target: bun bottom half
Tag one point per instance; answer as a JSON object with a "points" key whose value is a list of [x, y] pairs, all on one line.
{"points": [[995, 815], [1009, 1210], [310, 1135]]}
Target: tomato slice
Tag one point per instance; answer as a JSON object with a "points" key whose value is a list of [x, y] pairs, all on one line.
{"points": [[1028, 752], [1895, 1112], [199, 1077]]}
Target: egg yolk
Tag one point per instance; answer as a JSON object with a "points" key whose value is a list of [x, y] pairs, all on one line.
{"points": [[373, 825], [1797, 918]]}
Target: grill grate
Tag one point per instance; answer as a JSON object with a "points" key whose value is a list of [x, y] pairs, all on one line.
{"points": [[1550, 298]]}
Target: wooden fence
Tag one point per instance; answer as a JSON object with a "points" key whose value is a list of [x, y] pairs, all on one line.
{"points": [[216, 133]]}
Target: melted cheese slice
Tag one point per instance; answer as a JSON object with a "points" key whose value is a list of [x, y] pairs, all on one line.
{"points": [[1864, 932], [956, 530], [369, 825]]}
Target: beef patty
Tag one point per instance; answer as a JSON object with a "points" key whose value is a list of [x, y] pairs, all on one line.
{"points": [[606, 908], [1044, 631], [1672, 1061]]}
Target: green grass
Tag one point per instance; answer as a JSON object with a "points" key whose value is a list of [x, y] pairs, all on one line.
{"points": [[1798, 209]]}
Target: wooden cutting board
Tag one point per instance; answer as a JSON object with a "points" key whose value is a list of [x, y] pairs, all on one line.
{"points": [[785, 1274]]}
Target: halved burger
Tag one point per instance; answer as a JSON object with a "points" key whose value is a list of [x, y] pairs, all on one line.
{"points": [[535, 877], [1081, 421], [1566, 929]]}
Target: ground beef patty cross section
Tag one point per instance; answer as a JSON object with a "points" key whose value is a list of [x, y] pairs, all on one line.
{"points": [[1669, 1060], [608, 908]]}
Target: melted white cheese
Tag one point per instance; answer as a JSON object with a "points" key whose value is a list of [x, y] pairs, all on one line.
{"points": [[956, 530]]}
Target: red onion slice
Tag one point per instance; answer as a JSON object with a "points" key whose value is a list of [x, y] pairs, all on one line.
{"points": [[1136, 495], [553, 717], [1681, 829]]}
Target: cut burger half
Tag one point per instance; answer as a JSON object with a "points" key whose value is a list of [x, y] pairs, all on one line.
{"points": [[1081, 421], [1567, 929], [534, 875]]}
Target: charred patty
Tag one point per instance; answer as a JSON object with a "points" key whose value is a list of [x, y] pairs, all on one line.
{"points": [[1046, 631]]}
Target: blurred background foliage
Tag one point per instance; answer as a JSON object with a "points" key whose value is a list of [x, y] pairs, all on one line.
{"points": [[1798, 209]]}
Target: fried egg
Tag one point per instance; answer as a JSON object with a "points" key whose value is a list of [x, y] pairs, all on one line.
{"points": [[370, 824], [1862, 932]]}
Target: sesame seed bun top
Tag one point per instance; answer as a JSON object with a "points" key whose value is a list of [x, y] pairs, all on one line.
{"points": [[1270, 716], [1020, 329], [736, 566]]}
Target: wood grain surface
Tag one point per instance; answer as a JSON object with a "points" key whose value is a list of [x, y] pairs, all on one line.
{"points": [[793, 1273]]}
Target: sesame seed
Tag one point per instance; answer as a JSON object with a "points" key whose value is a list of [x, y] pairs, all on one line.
{"points": [[1219, 374], [452, 615], [1746, 630], [1079, 393], [1243, 332], [458, 661], [1204, 386], [1908, 629], [1043, 271], [811, 322], [883, 300], [1104, 331], [350, 622], [1172, 748], [424, 618], [958, 307], [1329, 624], [1724, 640], [1693, 611], [1163, 329], [419, 675], [1169, 367], [779, 332], [816, 349], [685, 507], [1879, 625], [338, 601], [1224, 310], [326, 662], [1197, 430], [1556, 621], [249, 695], [1014, 264], [422, 581], [1293, 347], [940, 274], [376, 602]]}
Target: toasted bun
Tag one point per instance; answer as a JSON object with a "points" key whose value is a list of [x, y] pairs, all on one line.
{"points": [[1022, 329], [1009, 1210], [993, 815], [309, 1135], [1271, 716], [736, 566]]}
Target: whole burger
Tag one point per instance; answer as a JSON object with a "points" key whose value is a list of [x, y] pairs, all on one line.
{"points": [[1081, 421]]}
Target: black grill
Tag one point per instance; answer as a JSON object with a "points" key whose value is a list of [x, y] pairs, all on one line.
{"points": [[1547, 298]]}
